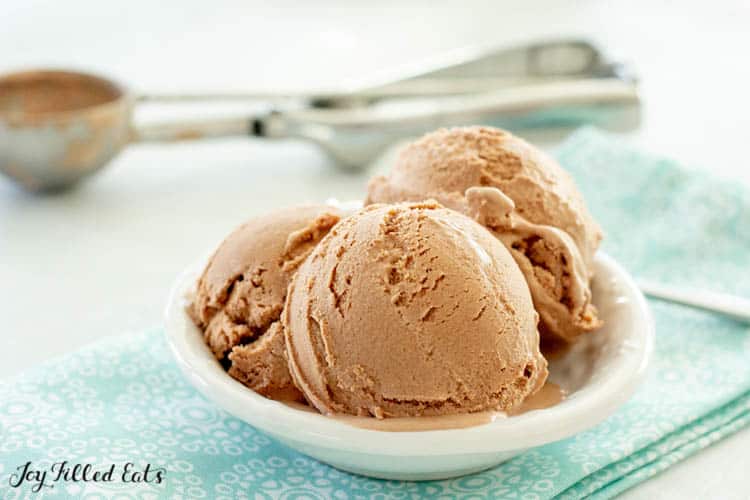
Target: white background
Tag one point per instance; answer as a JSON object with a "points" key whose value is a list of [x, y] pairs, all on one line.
{"points": [[99, 260]]}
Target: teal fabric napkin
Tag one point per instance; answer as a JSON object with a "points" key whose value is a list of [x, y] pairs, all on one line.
{"points": [[123, 400]]}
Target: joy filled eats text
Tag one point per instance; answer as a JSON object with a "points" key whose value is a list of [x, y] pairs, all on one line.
{"points": [[66, 472]]}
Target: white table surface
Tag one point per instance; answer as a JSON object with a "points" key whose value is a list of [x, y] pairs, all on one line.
{"points": [[99, 260]]}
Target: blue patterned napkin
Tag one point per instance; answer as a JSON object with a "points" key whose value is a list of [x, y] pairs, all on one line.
{"points": [[124, 401]]}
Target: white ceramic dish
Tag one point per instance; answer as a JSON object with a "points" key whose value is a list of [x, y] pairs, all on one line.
{"points": [[600, 373]]}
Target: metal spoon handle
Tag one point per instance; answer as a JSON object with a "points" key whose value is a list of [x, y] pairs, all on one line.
{"points": [[732, 306], [186, 130], [335, 129]]}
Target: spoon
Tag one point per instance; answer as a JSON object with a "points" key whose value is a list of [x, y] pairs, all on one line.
{"points": [[58, 127], [731, 306]]}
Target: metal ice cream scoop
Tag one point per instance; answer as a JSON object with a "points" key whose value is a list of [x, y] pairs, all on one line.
{"points": [[57, 127]]}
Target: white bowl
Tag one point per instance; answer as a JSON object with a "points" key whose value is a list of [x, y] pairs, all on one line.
{"points": [[601, 372]]}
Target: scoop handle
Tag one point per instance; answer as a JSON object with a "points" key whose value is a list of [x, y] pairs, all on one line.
{"points": [[188, 130]]}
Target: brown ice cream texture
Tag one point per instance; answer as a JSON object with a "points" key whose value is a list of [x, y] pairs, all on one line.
{"points": [[411, 310], [525, 198], [240, 296]]}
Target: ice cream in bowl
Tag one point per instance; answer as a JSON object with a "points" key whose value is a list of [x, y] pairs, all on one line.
{"points": [[461, 316]]}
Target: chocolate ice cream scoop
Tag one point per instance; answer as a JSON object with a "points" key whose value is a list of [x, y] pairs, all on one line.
{"points": [[411, 310], [525, 198], [241, 293]]}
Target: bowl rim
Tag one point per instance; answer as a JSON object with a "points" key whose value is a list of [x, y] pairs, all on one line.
{"points": [[584, 409]]}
